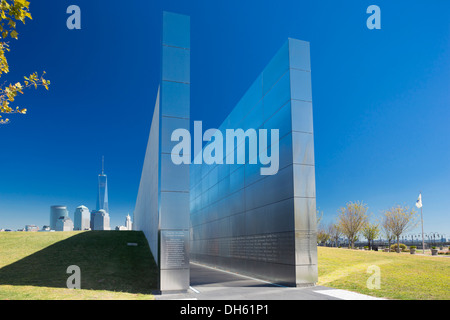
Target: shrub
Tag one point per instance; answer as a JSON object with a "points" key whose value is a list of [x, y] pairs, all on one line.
{"points": [[413, 247], [433, 247], [402, 247]]}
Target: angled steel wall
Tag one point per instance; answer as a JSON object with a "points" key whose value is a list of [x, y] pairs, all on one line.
{"points": [[259, 225], [162, 205]]}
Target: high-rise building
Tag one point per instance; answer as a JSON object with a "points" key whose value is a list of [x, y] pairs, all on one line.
{"points": [[128, 223], [100, 216], [102, 191], [57, 212], [100, 220], [82, 218], [64, 224]]}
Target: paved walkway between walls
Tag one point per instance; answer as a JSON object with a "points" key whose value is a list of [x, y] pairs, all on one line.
{"points": [[213, 284]]}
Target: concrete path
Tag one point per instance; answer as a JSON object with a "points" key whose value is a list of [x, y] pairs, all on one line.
{"points": [[213, 284]]}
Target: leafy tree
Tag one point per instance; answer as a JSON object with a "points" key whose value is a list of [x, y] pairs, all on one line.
{"points": [[322, 235], [371, 231], [335, 233], [398, 220], [352, 218], [387, 231], [11, 12]]}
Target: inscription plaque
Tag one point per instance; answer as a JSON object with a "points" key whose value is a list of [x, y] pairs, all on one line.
{"points": [[174, 251]]}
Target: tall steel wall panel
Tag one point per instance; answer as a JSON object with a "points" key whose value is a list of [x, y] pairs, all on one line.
{"points": [[264, 226], [162, 206]]}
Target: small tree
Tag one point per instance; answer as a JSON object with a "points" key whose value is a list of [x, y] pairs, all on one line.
{"points": [[352, 218], [322, 236], [371, 231], [398, 220], [387, 231], [335, 233]]}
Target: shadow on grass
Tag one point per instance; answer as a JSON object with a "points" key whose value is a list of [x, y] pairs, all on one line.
{"points": [[105, 260]]}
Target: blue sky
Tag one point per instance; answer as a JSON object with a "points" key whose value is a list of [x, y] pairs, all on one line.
{"points": [[381, 98]]}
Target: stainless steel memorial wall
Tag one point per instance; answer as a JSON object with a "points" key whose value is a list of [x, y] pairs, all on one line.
{"points": [[162, 205], [263, 226], [232, 216]]}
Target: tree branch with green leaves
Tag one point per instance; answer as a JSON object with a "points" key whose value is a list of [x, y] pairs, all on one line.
{"points": [[11, 12]]}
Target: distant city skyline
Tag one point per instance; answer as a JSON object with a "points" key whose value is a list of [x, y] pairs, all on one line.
{"points": [[101, 204], [380, 99]]}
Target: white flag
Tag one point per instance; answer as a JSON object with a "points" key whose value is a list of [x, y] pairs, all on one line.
{"points": [[419, 201]]}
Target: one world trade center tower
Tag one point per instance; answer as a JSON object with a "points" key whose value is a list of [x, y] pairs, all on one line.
{"points": [[102, 192]]}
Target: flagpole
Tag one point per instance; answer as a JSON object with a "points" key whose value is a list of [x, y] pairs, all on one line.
{"points": [[421, 218]]}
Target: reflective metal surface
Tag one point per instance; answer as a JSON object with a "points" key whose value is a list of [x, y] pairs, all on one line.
{"points": [[174, 249], [229, 215], [162, 205], [263, 226]]}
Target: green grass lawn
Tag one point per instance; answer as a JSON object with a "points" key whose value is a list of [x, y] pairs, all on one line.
{"points": [[403, 276], [33, 265]]}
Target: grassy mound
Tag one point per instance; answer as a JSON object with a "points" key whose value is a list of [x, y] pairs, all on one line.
{"points": [[34, 265]]}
